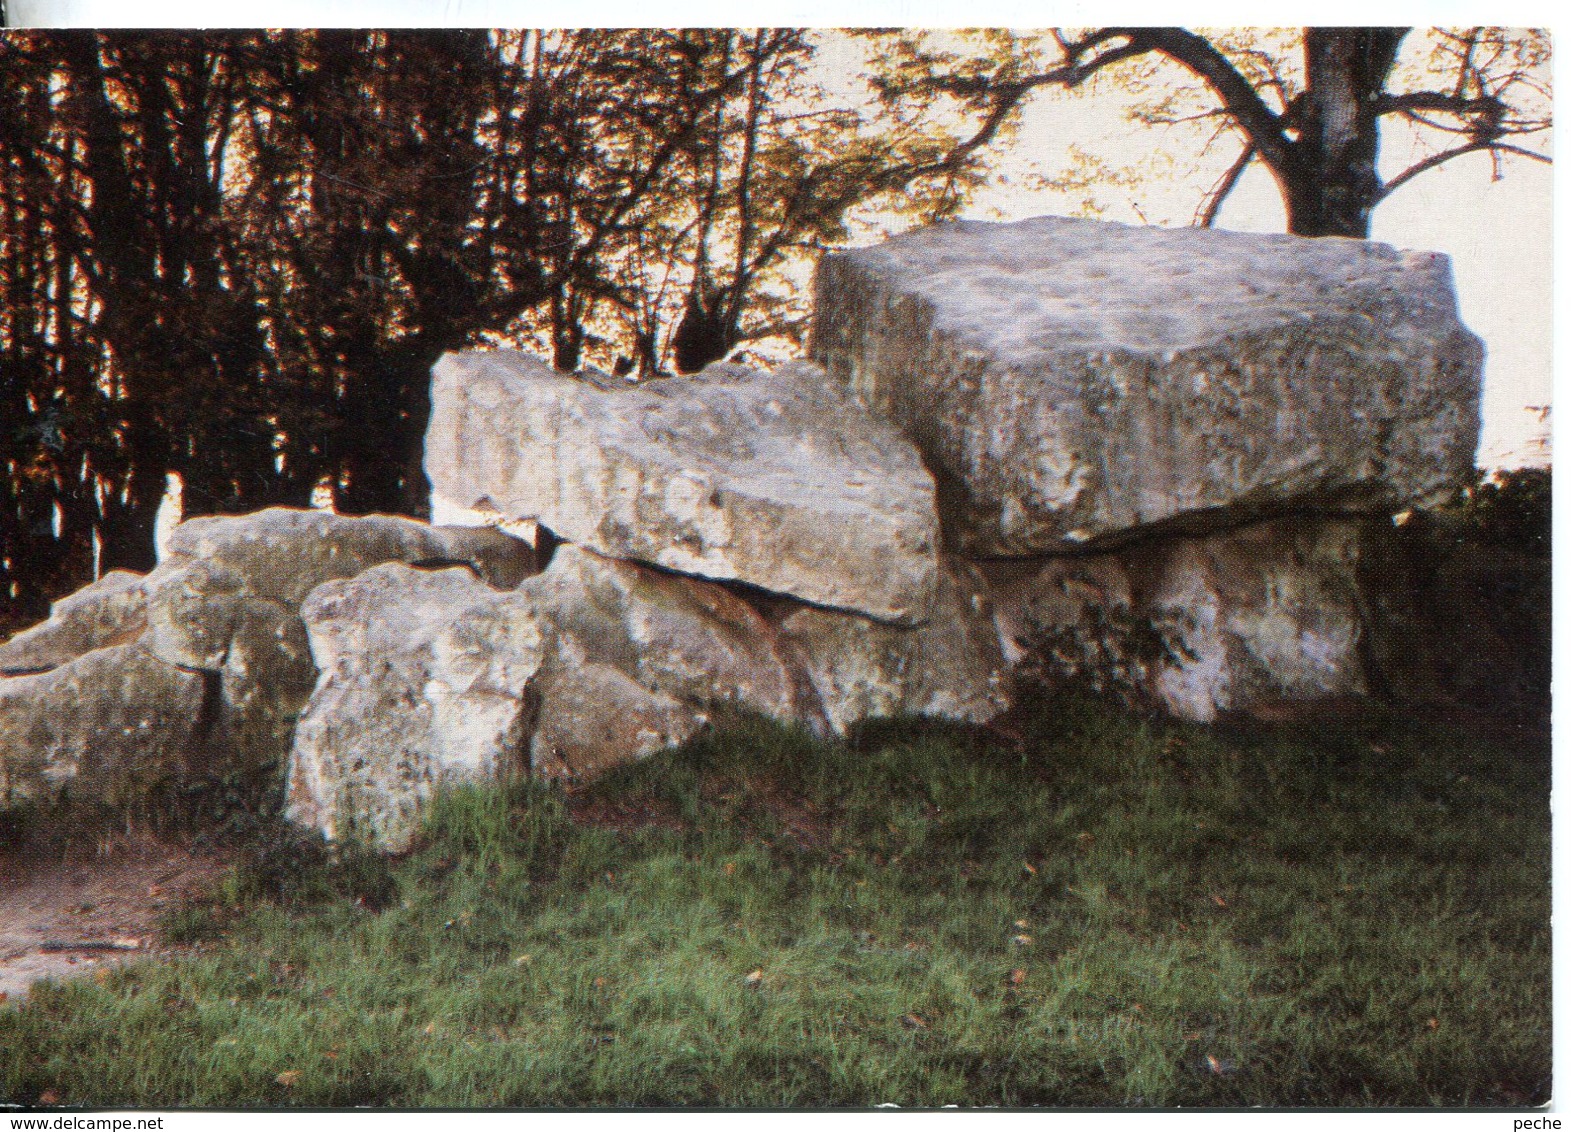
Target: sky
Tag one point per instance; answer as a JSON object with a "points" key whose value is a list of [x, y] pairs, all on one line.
{"points": [[1497, 233]]}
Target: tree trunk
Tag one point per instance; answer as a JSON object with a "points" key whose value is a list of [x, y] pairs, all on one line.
{"points": [[1332, 182]]}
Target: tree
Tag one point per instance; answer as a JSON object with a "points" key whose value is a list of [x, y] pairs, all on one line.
{"points": [[234, 257], [1314, 125]]}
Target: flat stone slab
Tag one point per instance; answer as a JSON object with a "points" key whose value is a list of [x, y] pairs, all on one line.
{"points": [[1072, 382], [778, 480]]}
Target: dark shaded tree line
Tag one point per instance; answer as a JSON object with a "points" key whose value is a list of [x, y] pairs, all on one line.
{"points": [[235, 256]]}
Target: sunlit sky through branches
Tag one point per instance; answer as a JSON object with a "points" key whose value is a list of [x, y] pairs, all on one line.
{"points": [[1497, 231]]}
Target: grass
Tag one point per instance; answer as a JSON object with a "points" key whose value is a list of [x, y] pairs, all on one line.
{"points": [[1115, 912]]}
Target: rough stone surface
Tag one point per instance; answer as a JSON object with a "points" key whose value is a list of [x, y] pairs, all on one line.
{"points": [[113, 610], [1072, 382], [594, 717], [283, 553], [680, 637], [1236, 621], [227, 595], [1263, 614], [776, 480], [950, 667], [107, 727], [433, 677], [1072, 618], [424, 682]]}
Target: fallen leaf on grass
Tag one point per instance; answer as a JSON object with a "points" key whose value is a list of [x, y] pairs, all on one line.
{"points": [[1218, 901], [913, 1021], [1016, 977], [599, 982], [48, 1096], [289, 1078], [755, 978], [1433, 1023], [730, 868], [1022, 940], [1028, 867], [521, 960]]}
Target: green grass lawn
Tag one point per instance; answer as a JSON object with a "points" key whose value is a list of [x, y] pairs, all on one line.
{"points": [[1115, 912]]}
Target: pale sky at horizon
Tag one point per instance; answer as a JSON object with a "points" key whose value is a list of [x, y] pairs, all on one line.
{"points": [[1498, 235]]}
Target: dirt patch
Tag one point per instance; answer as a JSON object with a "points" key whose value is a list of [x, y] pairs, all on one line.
{"points": [[625, 815], [55, 908], [762, 802], [754, 802]]}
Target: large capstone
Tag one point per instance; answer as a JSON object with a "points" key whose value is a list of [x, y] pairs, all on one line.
{"points": [[1074, 383], [776, 480]]}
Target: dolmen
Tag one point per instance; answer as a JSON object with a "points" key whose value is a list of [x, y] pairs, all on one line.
{"points": [[1158, 461]]}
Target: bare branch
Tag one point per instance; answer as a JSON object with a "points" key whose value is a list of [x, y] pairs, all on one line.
{"points": [[1486, 106], [1443, 156], [1206, 216], [1258, 121]]}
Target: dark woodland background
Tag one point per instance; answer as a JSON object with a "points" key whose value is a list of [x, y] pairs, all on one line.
{"points": [[234, 256]]}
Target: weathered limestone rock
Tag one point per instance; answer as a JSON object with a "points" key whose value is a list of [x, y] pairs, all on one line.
{"points": [[680, 637], [950, 667], [434, 677], [227, 596], [283, 554], [425, 681], [431, 678], [1267, 613], [220, 665], [770, 479], [595, 717], [1072, 618], [1072, 382], [106, 727], [113, 610], [1236, 621]]}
